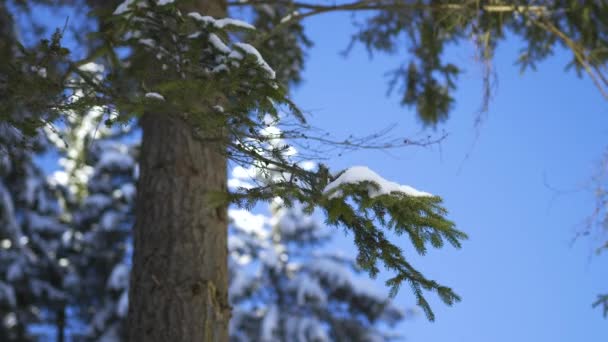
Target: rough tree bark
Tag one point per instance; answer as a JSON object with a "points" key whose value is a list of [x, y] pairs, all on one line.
{"points": [[179, 281]]}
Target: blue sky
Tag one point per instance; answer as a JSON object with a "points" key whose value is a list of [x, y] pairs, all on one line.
{"points": [[521, 194]]}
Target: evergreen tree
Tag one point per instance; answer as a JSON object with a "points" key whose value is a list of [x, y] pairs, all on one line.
{"points": [[34, 271], [98, 176], [103, 225]]}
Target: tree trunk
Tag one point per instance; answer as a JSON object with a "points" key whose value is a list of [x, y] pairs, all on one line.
{"points": [[60, 324], [179, 281]]}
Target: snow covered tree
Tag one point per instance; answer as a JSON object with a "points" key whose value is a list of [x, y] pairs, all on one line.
{"points": [[33, 267], [202, 94], [97, 175], [102, 227], [285, 286]]}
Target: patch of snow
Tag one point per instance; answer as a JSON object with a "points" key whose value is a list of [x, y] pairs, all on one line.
{"points": [[241, 259], [156, 96], [365, 286], [235, 242], [248, 222], [194, 35], [289, 16], [220, 68], [204, 19], [234, 183], [31, 187], [128, 190], [306, 329], [125, 6], [41, 71], [221, 23], [308, 288], [123, 305], [308, 165], [101, 316], [251, 50], [92, 67], [115, 159], [235, 55], [335, 273], [109, 220], [243, 173], [14, 272], [10, 320], [218, 43], [119, 278], [41, 288], [110, 334], [59, 177], [39, 222], [239, 284], [270, 120], [270, 258], [7, 294], [10, 226], [274, 136], [97, 201], [147, 42], [269, 325], [358, 174]]}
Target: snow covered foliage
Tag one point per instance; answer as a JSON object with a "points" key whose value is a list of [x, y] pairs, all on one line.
{"points": [[176, 40], [377, 185], [287, 285], [72, 141], [103, 223], [101, 217], [33, 269], [290, 40], [357, 199]]}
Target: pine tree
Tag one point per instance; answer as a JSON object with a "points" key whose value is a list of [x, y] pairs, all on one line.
{"points": [[34, 271], [98, 176], [104, 221]]}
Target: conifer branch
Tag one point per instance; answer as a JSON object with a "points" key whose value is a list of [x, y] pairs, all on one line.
{"points": [[373, 5], [364, 5], [581, 55]]}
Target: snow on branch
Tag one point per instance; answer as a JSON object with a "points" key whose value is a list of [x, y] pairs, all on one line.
{"points": [[155, 96], [220, 23], [126, 5], [250, 50], [361, 174]]}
